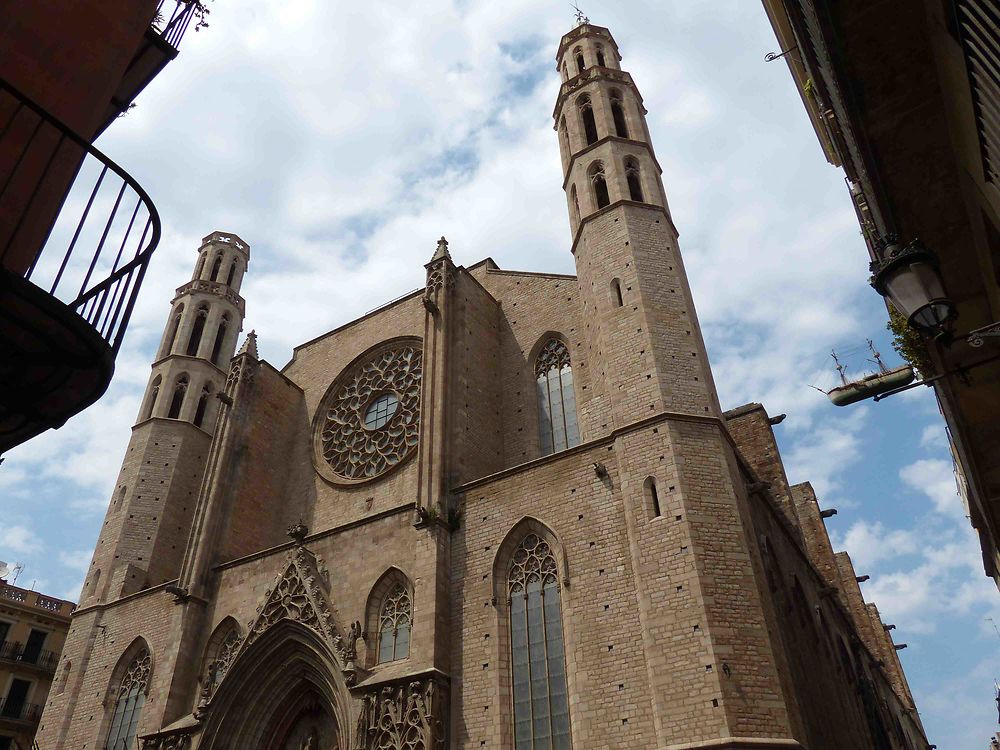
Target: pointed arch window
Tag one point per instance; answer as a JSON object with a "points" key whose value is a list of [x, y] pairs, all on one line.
{"points": [[565, 71], [222, 653], [200, 316], [217, 267], [600, 56], [541, 703], [130, 696], [557, 421], [220, 337], [580, 65], [597, 179], [199, 414], [175, 325], [394, 621], [587, 117], [201, 266], [618, 114], [154, 392], [232, 274], [180, 388], [633, 179], [564, 137], [616, 293], [576, 203]]}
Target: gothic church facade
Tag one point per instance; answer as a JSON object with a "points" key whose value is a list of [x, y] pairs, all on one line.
{"points": [[503, 511]]}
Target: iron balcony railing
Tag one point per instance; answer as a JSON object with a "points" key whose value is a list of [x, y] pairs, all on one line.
{"points": [[170, 24], [20, 710], [102, 228], [13, 651]]}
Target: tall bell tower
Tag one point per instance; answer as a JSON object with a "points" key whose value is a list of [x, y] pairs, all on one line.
{"points": [[149, 517], [646, 346]]}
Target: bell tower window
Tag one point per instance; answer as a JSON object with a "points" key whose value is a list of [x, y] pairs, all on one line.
{"points": [[217, 267], [632, 177], [197, 330], [576, 203], [618, 114], [199, 415], [232, 274], [600, 56], [180, 388], [596, 173], [580, 65], [557, 420], [220, 337], [587, 116]]}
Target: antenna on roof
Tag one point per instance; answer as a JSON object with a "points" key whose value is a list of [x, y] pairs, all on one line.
{"points": [[580, 18]]}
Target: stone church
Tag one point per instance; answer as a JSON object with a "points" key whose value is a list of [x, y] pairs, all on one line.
{"points": [[503, 511]]}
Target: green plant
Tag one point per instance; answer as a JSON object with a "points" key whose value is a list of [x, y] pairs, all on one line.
{"points": [[909, 344], [809, 88]]}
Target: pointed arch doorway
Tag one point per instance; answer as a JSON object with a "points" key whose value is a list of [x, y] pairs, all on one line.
{"points": [[285, 691]]}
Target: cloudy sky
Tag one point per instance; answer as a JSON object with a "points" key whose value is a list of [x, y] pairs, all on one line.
{"points": [[341, 139]]}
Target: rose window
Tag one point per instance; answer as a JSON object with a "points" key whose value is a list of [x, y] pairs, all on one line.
{"points": [[371, 420]]}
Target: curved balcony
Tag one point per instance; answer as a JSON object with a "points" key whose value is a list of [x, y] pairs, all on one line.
{"points": [[76, 236]]}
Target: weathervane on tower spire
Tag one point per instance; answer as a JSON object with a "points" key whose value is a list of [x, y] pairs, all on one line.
{"points": [[580, 18]]}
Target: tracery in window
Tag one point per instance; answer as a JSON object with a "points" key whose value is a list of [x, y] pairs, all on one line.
{"points": [[632, 178], [394, 622], [597, 179], [587, 117], [130, 696], [618, 114], [541, 704], [557, 421], [222, 653]]}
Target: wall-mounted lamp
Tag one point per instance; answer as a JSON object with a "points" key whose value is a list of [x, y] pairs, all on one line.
{"points": [[910, 278]]}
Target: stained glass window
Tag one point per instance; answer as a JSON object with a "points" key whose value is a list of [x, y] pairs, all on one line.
{"points": [[558, 426], [541, 703], [129, 700], [394, 623]]}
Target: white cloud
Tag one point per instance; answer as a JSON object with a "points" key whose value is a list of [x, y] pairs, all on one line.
{"points": [[19, 540], [871, 543], [934, 478], [934, 437]]}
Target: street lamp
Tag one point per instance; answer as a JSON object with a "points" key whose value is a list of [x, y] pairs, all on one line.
{"points": [[909, 277]]}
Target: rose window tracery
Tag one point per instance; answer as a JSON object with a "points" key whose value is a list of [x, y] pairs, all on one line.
{"points": [[372, 420]]}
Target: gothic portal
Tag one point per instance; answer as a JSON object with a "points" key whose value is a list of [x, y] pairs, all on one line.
{"points": [[503, 511]]}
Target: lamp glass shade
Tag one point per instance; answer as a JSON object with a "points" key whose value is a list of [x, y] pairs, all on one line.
{"points": [[916, 290]]}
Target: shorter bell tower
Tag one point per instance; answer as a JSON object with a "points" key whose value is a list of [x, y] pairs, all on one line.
{"points": [[149, 517]]}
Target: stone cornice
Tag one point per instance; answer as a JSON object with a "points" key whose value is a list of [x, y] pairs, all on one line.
{"points": [[212, 287], [583, 31], [607, 139], [609, 208], [592, 75]]}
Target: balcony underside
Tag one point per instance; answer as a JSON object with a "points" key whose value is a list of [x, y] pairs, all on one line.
{"points": [[55, 363]]}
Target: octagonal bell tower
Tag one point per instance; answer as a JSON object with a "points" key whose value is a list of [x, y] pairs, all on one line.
{"points": [[646, 347]]}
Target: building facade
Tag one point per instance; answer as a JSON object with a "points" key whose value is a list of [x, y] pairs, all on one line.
{"points": [[905, 98], [33, 629], [503, 511]]}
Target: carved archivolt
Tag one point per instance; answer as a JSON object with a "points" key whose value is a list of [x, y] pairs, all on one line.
{"points": [[167, 742], [404, 717], [352, 444]]}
